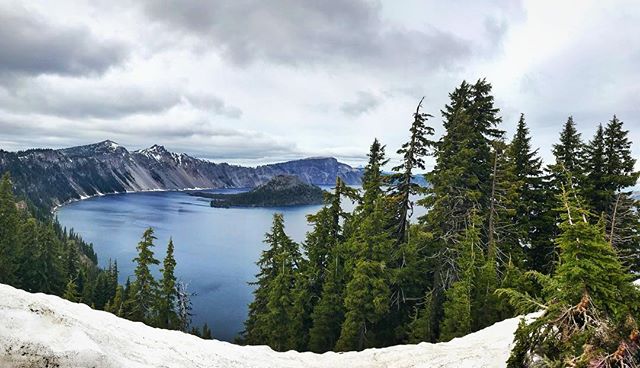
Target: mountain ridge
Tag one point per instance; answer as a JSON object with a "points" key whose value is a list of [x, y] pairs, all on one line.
{"points": [[52, 177]]}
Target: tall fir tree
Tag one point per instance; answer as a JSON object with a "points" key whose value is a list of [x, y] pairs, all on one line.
{"points": [[401, 184], [167, 317], [534, 221], [145, 286], [595, 182], [9, 232], [273, 295], [367, 294], [459, 182], [569, 157], [328, 313], [590, 305], [623, 211], [459, 305]]}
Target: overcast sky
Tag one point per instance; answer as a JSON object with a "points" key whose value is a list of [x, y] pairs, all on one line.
{"points": [[262, 81]]}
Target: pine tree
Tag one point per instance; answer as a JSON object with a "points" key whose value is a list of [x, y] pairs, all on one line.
{"points": [[590, 304], [367, 295], [273, 294], [569, 157], [206, 332], [460, 181], [9, 230], [116, 306], [622, 212], [144, 288], [167, 294], [71, 292], [596, 190], [619, 160], [401, 185], [533, 220], [458, 307], [328, 313]]}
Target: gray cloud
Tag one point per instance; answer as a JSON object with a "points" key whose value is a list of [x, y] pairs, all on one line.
{"points": [[363, 103], [32, 45], [293, 32], [91, 99]]}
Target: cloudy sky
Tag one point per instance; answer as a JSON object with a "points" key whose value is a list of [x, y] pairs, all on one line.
{"points": [[254, 81]]}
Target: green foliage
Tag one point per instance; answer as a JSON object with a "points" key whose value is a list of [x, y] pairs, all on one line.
{"points": [[458, 313], [9, 241], [71, 292], [401, 186], [591, 304], [167, 317], [270, 313], [366, 301], [145, 286]]}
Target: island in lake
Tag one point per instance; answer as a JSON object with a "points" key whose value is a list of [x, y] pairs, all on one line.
{"points": [[281, 190]]}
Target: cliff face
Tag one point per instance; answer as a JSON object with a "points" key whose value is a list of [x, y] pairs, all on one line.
{"points": [[39, 330], [52, 177]]}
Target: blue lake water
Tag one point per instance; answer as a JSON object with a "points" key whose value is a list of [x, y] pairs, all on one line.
{"points": [[215, 248]]}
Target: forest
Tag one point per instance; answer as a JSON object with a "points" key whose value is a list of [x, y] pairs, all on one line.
{"points": [[503, 236]]}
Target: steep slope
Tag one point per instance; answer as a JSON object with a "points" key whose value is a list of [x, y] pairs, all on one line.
{"points": [[52, 177], [40, 330]]}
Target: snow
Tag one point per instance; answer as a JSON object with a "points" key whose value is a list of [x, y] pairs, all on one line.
{"points": [[44, 330]]}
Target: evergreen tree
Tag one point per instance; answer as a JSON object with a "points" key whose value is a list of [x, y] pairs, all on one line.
{"points": [[619, 160], [9, 230], [401, 185], [71, 292], [622, 212], [590, 304], [273, 295], [145, 285], [328, 313], [167, 317], [459, 304], [533, 220], [460, 181], [320, 244], [569, 157], [596, 190], [116, 306], [206, 332], [367, 295]]}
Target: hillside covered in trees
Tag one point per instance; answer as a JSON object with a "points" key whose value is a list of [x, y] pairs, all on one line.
{"points": [[503, 235]]}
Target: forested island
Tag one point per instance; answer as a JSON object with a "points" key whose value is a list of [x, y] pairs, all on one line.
{"points": [[281, 190]]}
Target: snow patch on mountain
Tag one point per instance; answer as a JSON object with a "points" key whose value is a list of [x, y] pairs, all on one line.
{"points": [[45, 330]]}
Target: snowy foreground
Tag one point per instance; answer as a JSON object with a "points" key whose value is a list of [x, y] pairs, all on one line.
{"points": [[38, 330]]}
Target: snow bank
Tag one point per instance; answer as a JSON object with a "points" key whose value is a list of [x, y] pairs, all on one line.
{"points": [[38, 330]]}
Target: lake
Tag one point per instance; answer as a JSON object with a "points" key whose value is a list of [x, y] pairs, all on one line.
{"points": [[215, 248]]}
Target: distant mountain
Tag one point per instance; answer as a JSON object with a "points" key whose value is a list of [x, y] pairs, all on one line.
{"points": [[281, 190], [52, 177]]}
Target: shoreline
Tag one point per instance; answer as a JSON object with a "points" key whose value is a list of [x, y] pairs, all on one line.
{"points": [[99, 194]]}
